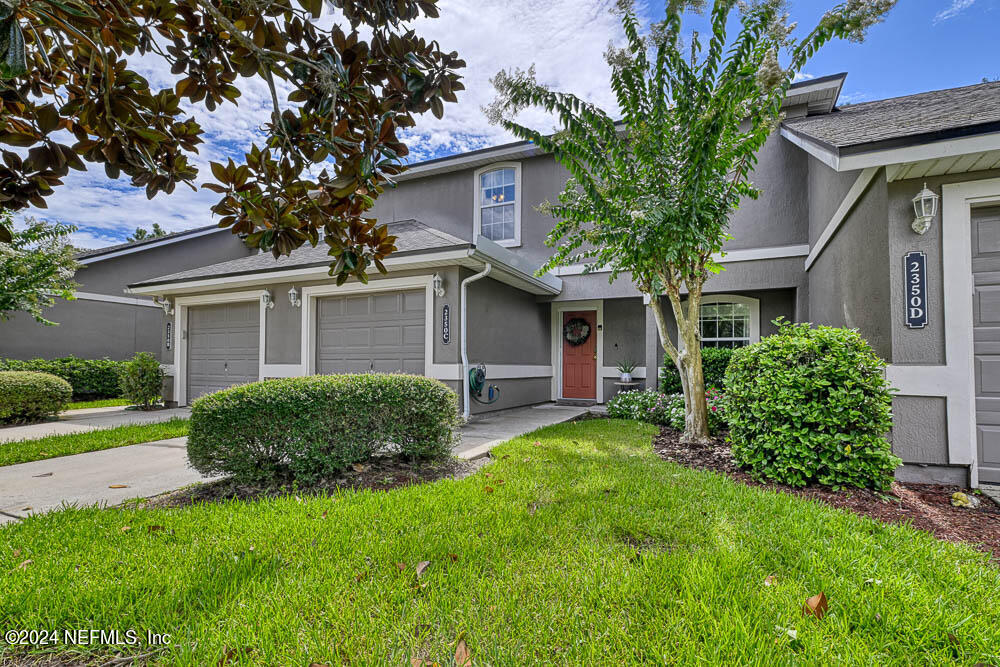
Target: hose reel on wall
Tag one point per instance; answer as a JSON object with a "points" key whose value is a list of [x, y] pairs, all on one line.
{"points": [[477, 382]]}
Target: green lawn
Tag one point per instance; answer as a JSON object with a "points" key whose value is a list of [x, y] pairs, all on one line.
{"points": [[102, 403], [587, 550], [22, 451]]}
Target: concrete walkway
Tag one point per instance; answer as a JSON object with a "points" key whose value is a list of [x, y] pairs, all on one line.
{"points": [[78, 421], [140, 471], [483, 433]]}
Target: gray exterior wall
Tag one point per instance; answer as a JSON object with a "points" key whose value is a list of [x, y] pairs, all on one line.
{"points": [[780, 217], [93, 329], [920, 436], [850, 278]]}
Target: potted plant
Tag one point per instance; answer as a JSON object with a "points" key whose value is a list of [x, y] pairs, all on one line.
{"points": [[626, 367]]}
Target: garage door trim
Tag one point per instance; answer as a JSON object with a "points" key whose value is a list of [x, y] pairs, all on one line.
{"points": [[311, 294], [181, 305]]}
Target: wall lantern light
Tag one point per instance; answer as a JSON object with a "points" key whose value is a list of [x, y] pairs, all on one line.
{"points": [[925, 208], [267, 300], [293, 298], [438, 285], [166, 305]]}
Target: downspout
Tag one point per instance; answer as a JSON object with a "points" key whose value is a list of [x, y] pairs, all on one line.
{"points": [[466, 398]]}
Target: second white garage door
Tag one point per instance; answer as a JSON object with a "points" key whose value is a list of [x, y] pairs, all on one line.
{"points": [[377, 332]]}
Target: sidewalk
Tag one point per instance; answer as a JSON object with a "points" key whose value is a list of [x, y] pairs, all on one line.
{"points": [[157, 467], [78, 421]]}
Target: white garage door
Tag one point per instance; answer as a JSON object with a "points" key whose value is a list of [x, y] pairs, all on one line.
{"points": [[377, 332], [986, 323], [223, 346]]}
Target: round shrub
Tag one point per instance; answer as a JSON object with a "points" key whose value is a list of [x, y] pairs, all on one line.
{"points": [[664, 409], [27, 396], [307, 428], [811, 405], [714, 361]]}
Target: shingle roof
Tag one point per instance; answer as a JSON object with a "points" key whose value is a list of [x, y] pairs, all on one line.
{"points": [[83, 254], [903, 120], [413, 236]]}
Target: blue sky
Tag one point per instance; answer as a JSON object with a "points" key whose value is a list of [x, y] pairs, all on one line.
{"points": [[923, 45]]}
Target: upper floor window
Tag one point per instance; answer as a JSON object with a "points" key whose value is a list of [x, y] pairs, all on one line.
{"points": [[498, 210], [725, 324]]}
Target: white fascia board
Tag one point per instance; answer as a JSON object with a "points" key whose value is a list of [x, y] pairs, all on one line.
{"points": [[149, 246], [927, 151], [269, 277], [506, 260], [459, 162], [821, 153], [107, 298]]}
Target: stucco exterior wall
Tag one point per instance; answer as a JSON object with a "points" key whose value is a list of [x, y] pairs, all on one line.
{"points": [[93, 329], [779, 216], [850, 279]]}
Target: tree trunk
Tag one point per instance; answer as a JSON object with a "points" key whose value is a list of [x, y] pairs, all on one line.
{"points": [[687, 359]]}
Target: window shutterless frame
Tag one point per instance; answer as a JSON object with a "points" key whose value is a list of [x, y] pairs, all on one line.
{"points": [[495, 208]]}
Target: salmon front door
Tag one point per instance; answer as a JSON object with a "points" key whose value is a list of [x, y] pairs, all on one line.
{"points": [[579, 354]]}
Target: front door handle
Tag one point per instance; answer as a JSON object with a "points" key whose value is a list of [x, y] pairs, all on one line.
{"points": [[595, 356]]}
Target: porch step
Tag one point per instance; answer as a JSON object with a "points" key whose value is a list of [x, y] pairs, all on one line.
{"points": [[578, 403]]}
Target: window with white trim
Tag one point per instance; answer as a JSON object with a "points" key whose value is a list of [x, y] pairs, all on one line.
{"points": [[724, 324], [497, 204]]}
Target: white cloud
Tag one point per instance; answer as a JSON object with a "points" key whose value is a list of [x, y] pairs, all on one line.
{"points": [[802, 76], [956, 8], [565, 39]]}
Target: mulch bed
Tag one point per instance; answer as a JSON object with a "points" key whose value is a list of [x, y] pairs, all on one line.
{"points": [[379, 474], [925, 506]]}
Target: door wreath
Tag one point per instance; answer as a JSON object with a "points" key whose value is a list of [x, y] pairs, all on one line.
{"points": [[576, 331]]}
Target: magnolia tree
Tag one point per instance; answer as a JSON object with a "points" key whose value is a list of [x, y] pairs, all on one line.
{"points": [[36, 266], [340, 88], [651, 194]]}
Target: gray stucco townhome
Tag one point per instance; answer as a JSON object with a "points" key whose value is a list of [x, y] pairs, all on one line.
{"points": [[103, 321], [825, 243]]}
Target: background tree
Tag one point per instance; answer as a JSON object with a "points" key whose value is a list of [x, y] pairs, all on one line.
{"points": [[36, 267], [65, 73], [651, 196], [142, 233]]}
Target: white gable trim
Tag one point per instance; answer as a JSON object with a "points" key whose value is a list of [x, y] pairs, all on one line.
{"points": [[853, 195], [149, 246]]}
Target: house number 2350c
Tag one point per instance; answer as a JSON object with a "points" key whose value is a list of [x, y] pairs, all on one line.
{"points": [[916, 289]]}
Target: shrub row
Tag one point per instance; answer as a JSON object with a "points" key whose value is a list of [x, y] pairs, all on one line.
{"points": [[28, 396], [714, 361], [90, 378], [307, 428], [664, 409]]}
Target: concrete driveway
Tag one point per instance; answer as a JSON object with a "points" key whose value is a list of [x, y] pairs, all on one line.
{"points": [[112, 476]]}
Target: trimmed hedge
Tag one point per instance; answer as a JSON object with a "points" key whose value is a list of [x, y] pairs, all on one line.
{"points": [[28, 396], [714, 361], [90, 378], [308, 428], [811, 405]]}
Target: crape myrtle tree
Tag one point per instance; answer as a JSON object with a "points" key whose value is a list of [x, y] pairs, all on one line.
{"points": [[652, 193], [36, 266], [340, 94]]}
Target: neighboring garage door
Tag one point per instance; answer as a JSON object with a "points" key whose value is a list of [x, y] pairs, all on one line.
{"points": [[986, 320], [223, 346], [378, 332]]}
